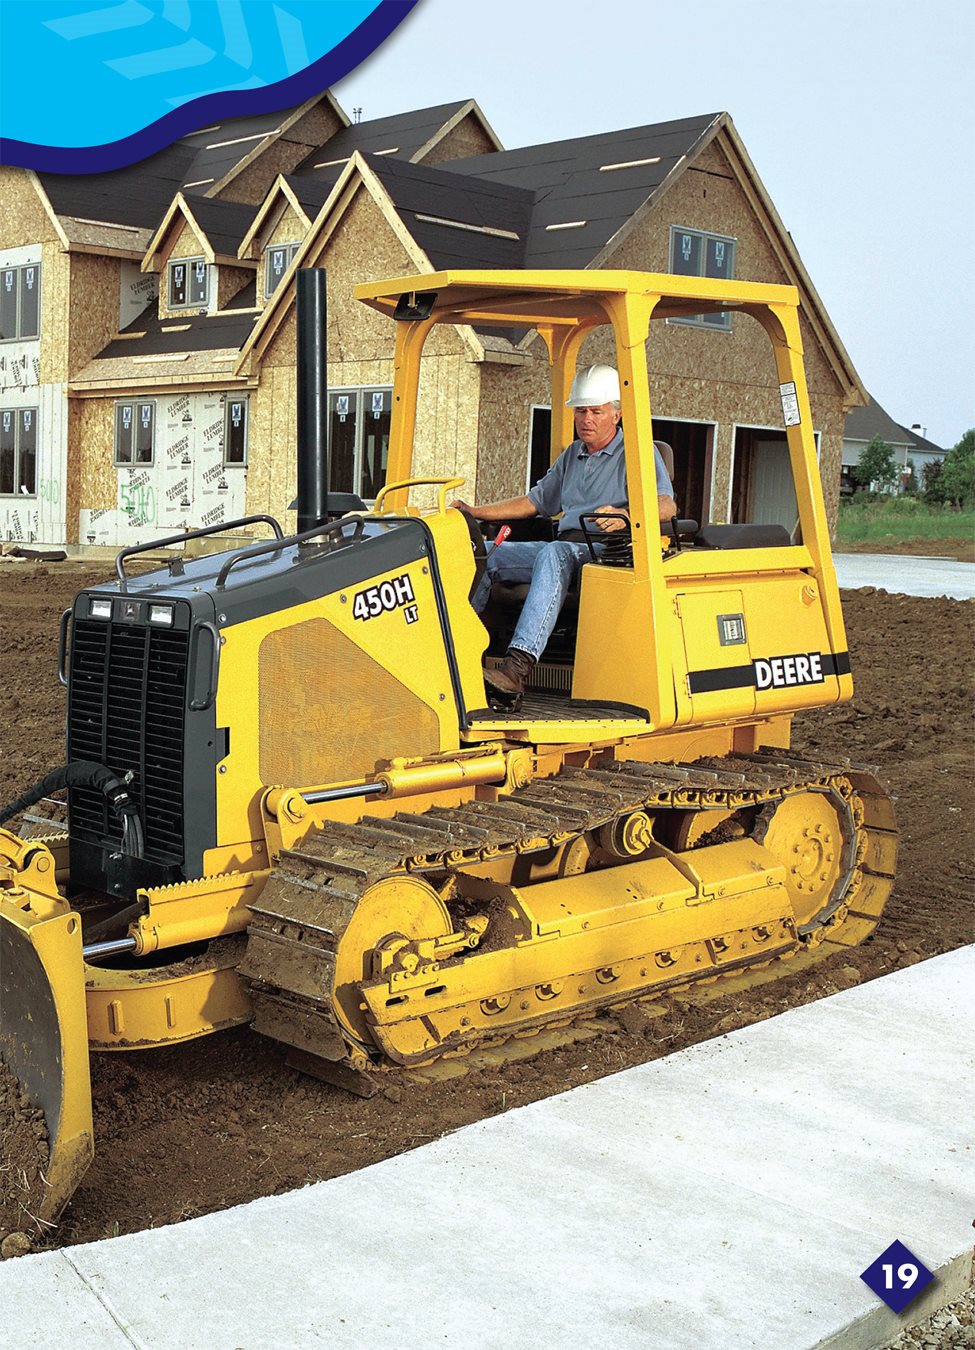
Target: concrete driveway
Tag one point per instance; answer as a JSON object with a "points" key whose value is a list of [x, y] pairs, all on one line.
{"points": [[903, 574]]}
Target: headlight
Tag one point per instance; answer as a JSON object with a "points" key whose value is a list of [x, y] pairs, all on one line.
{"points": [[99, 608], [162, 615]]}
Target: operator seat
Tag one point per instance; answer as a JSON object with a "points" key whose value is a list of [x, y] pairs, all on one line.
{"points": [[507, 597]]}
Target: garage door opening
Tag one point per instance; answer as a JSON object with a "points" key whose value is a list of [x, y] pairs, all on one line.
{"points": [[762, 488]]}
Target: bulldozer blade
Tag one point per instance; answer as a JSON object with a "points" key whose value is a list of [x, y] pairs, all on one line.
{"points": [[44, 1036]]}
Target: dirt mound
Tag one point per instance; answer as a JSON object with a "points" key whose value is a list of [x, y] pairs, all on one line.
{"points": [[23, 1161], [218, 1121]]}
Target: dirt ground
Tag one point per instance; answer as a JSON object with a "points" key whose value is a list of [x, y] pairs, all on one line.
{"points": [[962, 550], [187, 1130]]}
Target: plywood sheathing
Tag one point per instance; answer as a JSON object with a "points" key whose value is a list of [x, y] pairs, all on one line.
{"points": [[254, 175], [129, 241], [24, 219], [468, 135], [182, 242], [358, 232], [92, 320], [55, 290], [290, 228], [127, 373], [230, 281], [504, 425], [92, 480], [360, 352]]}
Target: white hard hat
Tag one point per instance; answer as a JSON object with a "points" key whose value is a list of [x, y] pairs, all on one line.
{"points": [[594, 386]]}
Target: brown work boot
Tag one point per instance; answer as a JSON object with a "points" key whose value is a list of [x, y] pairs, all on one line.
{"points": [[510, 678]]}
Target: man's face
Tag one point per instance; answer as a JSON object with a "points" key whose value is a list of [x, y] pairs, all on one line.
{"points": [[596, 426]]}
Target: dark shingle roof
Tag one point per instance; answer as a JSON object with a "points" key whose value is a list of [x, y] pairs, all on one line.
{"points": [[571, 183], [923, 444], [512, 197], [189, 333], [141, 193], [862, 424], [224, 223], [403, 133], [424, 197]]}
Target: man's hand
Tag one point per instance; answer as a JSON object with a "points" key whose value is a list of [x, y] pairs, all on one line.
{"points": [[460, 505], [620, 521]]}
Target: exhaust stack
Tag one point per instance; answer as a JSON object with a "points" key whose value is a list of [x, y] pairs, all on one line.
{"points": [[312, 372]]}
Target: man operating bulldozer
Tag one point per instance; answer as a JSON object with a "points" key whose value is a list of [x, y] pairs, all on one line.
{"points": [[588, 477]]}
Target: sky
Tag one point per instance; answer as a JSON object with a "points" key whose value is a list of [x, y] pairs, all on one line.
{"points": [[859, 116]]}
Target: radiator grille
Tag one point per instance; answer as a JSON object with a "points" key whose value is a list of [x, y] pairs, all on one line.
{"points": [[329, 712], [126, 710]]}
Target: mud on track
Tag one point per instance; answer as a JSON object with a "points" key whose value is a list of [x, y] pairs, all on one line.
{"points": [[198, 1127]]}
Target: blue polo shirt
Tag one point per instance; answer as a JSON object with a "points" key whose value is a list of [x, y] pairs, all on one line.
{"points": [[578, 482]]}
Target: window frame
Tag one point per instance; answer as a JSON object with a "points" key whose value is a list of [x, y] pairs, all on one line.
{"points": [[235, 463], [705, 236], [132, 463], [18, 335], [291, 249], [187, 304], [357, 394], [17, 494]]}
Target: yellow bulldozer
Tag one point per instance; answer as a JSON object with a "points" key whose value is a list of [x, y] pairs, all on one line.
{"points": [[291, 803]]}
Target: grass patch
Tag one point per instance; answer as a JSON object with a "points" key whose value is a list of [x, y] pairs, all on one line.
{"points": [[899, 519]]}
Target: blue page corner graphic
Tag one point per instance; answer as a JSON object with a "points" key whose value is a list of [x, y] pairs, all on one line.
{"points": [[93, 85]]}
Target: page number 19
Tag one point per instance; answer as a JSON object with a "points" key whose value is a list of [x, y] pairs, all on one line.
{"points": [[906, 1275]]}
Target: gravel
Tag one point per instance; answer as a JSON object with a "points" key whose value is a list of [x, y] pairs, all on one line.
{"points": [[950, 1328]]}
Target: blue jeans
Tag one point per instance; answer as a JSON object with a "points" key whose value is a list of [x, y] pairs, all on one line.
{"points": [[550, 567]]}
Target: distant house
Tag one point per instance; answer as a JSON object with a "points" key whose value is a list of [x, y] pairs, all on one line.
{"points": [[147, 357], [866, 423]]}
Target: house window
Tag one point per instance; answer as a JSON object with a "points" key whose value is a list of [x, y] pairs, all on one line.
{"points": [[358, 439], [189, 284], [18, 452], [695, 253], [277, 260], [235, 431], [20, 302], [135, 425]]}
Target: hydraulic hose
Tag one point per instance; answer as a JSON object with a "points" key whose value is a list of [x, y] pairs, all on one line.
{"points": [[86, 773]]}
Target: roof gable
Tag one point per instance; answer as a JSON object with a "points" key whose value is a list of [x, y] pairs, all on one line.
{"points": [[358, 175], [409, 135], [219, 226]]}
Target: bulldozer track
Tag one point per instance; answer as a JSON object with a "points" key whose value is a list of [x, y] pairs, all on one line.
{"points": [[314, 891]]}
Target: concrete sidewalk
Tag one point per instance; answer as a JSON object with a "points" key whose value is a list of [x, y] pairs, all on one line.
{"points": [[904, 574], [727, 1196]]}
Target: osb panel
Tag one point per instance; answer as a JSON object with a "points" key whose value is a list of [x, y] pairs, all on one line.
{"points": [[128, 238], [94, 312], [185, 243], [23, 219], [194, 365], [713, 159], [251, 185], [55, 285], [446, 441], [504, 427], [830, 467], [93, 482], [290, 229], [230, 280], [362, 248], [467, 138], [282, 468], [259, 446]]}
